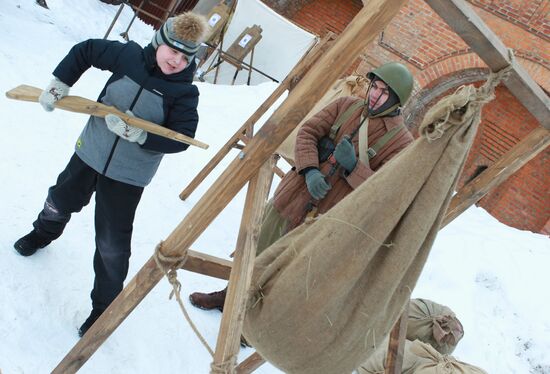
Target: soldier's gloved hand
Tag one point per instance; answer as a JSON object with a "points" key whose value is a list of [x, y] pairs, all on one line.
{"points": [[124, 130], [316, 184], [52, 93], [344, 153]]}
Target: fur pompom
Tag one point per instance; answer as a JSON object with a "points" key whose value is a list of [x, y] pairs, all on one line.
{"points": [[190, 26]]}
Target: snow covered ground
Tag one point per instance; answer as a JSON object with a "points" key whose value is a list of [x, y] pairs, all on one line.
{"points": [[491, 275]]}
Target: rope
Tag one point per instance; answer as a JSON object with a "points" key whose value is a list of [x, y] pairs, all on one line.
{"points": [[464, 104], [173, 263]]}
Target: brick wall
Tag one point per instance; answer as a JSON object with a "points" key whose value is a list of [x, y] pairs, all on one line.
{"points": [[441, 61]]}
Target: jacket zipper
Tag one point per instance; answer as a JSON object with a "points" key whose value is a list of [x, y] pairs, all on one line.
{"points": [[118, 138]]}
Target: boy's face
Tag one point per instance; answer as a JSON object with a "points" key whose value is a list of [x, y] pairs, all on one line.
{"points": [[378, 94], [169, 60]]}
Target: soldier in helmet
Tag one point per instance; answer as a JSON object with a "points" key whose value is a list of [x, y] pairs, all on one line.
{"points": [[336, 150]]}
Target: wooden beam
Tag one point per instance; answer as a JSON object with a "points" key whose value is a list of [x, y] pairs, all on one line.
{"points": [[79, 104], [250, 364], [207, 265], [471, 28], [396, 344], [494, 175], [366, 25], [228, 343], [293, 77]]}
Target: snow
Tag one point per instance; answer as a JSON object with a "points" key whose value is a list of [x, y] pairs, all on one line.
{"points": [[491, 275]]}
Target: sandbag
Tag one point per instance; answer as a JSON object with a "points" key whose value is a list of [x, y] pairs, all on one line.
{"points": [[418, 358], [323, 296], [354, 85], [434, 324]]}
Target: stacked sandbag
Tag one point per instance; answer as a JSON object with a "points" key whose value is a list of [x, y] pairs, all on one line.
{"points": [[418, 358], [434, 324]]}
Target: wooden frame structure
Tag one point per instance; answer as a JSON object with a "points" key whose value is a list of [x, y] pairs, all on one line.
{"points": [[254, 165]]}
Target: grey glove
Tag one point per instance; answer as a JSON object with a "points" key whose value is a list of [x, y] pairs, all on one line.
{"points": [[55, 91], [124, 130], [344, 153], [316, 184]]}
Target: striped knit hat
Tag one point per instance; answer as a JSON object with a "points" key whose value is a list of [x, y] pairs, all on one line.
{"points": [[184, 33]]}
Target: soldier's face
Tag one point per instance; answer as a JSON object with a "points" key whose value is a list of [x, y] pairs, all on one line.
{"points": [[378, 94]]}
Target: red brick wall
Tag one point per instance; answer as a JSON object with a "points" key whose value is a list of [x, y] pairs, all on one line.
{"points": [[440, 60]]}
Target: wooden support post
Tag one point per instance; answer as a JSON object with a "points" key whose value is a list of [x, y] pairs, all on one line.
{"points": [[295, 75], [494, 175], [250, 67], [470, 27], [396, 344], [253, 362], [366, 25], [228, 344]]}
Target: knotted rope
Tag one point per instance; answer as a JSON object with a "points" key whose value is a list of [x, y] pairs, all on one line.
{"points": [[169, 265], [463, 105]]}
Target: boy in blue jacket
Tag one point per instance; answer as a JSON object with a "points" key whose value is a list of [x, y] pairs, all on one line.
{"points": [[113, 159]]}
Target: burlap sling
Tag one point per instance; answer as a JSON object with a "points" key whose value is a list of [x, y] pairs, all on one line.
{"points": [[419, 358], [324, 296], [434, 324]]}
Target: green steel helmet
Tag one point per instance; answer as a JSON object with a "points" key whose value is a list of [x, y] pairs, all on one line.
{"points": [[397, 77]]}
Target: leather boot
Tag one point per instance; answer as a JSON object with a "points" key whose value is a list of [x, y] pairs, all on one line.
{"points": [[208, 301]]}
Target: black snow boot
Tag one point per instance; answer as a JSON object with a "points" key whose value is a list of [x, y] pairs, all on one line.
{"points": [[94, 315], [30, 243]]}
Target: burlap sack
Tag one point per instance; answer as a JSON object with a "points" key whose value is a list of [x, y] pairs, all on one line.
{"points": [[327, 293], [419, 358], [434, 324], [354, 85]]}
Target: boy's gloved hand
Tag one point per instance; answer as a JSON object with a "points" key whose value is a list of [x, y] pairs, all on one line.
{"points": [[344, 153], [124, 130], [316, 184], [52, 93]]}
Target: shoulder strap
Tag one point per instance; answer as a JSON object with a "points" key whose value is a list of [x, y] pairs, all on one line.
{"points": [[344, 117], [372, 151]]}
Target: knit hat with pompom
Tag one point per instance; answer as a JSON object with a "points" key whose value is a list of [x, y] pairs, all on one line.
{"points": [[184, 33]]}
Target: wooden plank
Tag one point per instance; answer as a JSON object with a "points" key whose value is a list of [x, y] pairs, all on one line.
{"points": [[471, 28], [207, 265], [250, 364], [494, 175], [396, 344], [366, 25], [228, 343], [79, 104], [294, 76]]}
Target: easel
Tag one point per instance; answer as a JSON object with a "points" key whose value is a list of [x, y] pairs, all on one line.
{"points": [[255, 155], [237, 52]]}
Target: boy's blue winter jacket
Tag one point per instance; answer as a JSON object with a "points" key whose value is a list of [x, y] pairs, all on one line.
{"points": [[138, 85]]}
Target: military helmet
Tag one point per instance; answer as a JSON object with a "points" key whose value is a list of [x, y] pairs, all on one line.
{"points": [[397, 77]]}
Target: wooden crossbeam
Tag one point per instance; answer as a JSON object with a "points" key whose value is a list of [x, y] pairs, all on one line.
{"points": [[471, 28], [366, 25], [207, 265], [494, 175]]}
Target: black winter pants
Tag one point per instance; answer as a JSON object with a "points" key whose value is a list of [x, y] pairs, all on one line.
{"points": [[116, 204]]}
